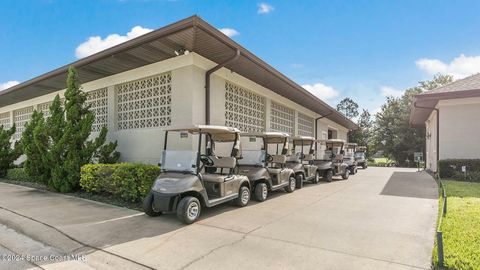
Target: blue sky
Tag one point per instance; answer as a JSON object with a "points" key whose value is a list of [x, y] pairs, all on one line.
{"points": [[359, 49]]}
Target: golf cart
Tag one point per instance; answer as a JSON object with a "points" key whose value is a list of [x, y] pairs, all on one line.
{"points": [[301, 160], [349, 157], [332, 164], [266, 171], [360, 156], [190, 179]]}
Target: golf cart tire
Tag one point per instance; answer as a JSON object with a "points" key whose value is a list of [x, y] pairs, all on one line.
{"points": [[259, 192], [364, 166], [238, 201], [148, 207], [182, 209], [328, 175], [316, 178], [353, 170], [291, 185], [346, 174], [299, 181]]}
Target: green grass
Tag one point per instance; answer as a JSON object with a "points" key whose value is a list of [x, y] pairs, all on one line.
{"points": [[461, 226], [380, 162]]}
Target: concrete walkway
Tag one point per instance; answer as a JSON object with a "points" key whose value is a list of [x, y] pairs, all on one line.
{"points": [[381, 218]]}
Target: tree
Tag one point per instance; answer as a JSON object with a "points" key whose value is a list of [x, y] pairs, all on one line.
{"points": [[392, 130], [71, 148], [348, 107], [106, 154], [34, 147], [8, 154], [362, 135]]}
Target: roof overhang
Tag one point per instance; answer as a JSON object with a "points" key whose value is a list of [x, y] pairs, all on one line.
{"points": [[193, 34], [423, 104]]}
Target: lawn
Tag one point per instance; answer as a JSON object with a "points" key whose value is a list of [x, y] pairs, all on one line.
{"points": [[461, 226]]}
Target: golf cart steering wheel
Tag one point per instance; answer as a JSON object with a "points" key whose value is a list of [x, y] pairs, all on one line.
{"points": [[206, 160], [269, 158]]}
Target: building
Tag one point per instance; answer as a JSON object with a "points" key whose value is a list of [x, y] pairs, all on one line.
{"points": [[182, 74], [451, 116]]}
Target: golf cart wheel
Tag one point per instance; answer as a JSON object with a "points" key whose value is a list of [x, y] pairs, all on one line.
{"points": [[243, 196], [261, 192], [353, 170], [346, 174], [148, 206], [291, 185], [329, 175], [299, 181], [316, 178], [188, 210], [364, 166]]}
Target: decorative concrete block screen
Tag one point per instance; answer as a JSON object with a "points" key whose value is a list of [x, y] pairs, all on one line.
{"points": [[282, 118], [20, 118], [45, 108], [5, 120], [98, 101], [305, 125], [244, 110], [144, 103]]}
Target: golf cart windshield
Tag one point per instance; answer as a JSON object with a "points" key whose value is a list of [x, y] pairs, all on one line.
{"points": [[359, 155], [252, 157], [179, 160]]}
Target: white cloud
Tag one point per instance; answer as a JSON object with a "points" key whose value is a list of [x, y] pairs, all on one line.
{"points": [[388, 91], [229, 32], [8, 84], [460, 67], [322, 91], [264, 8], [96, 43]]}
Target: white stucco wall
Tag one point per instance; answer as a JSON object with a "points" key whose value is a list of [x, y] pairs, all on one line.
{"points": [[187, 104], [460, 128], [431, 142]]}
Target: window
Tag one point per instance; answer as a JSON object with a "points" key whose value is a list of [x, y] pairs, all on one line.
{"points": [[20, 118], [305, 125], [244, 109], [5, 120], [282, 118], [45, 108], [98, 101], [144, 103]]}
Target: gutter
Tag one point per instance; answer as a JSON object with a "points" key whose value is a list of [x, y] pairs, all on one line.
{"points": [[438, 127], [316, 126], [207, 83]]}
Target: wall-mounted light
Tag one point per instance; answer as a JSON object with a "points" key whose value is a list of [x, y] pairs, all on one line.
{"points": [[181, 51], [428, 135]]}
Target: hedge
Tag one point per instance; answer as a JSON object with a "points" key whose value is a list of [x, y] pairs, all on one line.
{"points": [[18, 174], [452, 168], [128, 181]]}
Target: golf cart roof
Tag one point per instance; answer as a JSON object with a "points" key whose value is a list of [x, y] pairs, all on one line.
{"points": [[270, 137], [205, 129], [218, 133], [302, 140], [361, 148], [350, 145]]}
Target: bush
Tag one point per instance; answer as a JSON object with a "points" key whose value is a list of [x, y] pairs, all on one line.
{"points": [[128, 181], [452, 168], [18, 174]]}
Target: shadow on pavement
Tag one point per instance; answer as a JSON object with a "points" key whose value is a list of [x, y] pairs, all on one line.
{"points": [[411, 184]]}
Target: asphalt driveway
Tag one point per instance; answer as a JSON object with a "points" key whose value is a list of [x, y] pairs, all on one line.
{"points": [[381, 218]]}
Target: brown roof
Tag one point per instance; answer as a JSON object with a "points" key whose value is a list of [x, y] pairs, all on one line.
{"points": [[424, 103], [193, 34]]}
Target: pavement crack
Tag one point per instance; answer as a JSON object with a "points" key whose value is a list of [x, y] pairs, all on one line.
{"points": [[213, 250]]}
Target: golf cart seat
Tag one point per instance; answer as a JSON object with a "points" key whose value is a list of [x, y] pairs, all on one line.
{"points": [[308, 157], [339, 158], [278, 161], [221, 163]]}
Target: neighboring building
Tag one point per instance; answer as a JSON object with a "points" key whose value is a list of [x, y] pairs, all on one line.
{"points": [[451, 115], [165, 78]]}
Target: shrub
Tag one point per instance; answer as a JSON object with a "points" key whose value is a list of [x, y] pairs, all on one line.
{"points": [[8, 154], [18, 174], [452, 168], [128, 181]]}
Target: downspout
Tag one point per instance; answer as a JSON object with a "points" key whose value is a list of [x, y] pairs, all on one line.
{"points": [[316, 126], [438, 127], [207, 83]]}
